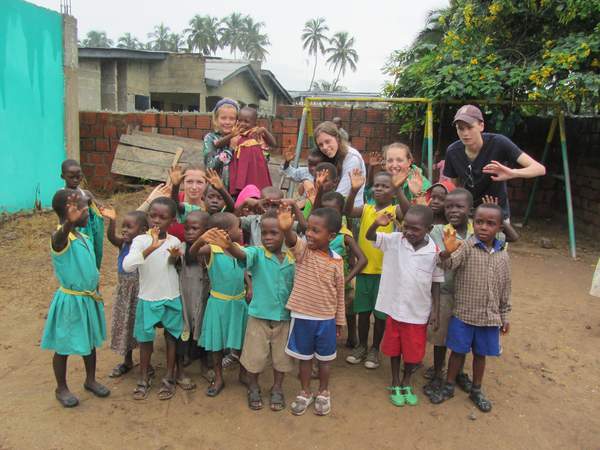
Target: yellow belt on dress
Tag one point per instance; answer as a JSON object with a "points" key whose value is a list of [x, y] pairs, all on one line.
{"points": [[221, 296], [95, 295]]}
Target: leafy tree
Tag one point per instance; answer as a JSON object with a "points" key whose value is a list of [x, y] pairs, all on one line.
{"points": [[546, 50], [203, 34], [254, 42], [160, 38], [314, 40], [97, 39], [232, 32], [342, 54], [129, 41]]}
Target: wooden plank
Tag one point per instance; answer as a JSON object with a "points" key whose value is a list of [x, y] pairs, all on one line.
{"points": [[154, 143], [188, 142], [142, 155], [139, 170], [177, 158]]}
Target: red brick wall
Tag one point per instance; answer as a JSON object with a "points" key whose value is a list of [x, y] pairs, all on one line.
{"points": [[100, 132], [369, 129]]}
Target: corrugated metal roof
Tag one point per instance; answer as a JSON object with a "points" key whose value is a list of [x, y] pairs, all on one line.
{"points": [[219, 70]]}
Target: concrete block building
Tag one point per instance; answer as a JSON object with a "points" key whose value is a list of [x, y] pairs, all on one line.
{"points": [[117, 79]]}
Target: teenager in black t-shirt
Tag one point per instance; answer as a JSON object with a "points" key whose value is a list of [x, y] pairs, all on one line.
{"points": [[483, 162]]}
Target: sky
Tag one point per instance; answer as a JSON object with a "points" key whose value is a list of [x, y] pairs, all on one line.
{"points": [[378, 26]]}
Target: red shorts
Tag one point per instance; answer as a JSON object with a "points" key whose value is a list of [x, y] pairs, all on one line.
{"points": [[404, 339]]}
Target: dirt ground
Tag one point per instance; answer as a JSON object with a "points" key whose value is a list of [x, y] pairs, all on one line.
{"points": [[545, 387]]}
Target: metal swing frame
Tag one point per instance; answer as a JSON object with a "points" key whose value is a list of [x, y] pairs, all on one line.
{"points": [[306, 123]]}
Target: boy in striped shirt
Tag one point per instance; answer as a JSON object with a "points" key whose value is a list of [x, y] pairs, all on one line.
{"points": [[316, 302]]}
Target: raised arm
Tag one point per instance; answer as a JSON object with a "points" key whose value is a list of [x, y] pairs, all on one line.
{"points": [[267, 136], [110, 214], [530, 168], [398, 181], [302, 224], [214, 179], [60, 238], [382, 219], [357, 180], [161, 190], [286, 222], [454, 253], [220, 238], [176, 177], [374, 160]]}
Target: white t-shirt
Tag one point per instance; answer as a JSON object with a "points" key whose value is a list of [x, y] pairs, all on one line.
{"points": [[158, 278], [405, 286], [353, 160]]}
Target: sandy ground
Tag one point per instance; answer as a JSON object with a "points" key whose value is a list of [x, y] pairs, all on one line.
{"points": [[545, 387]]}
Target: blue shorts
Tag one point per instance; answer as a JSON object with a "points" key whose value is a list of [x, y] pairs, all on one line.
{"points": [[462, 337], [312, 338]]}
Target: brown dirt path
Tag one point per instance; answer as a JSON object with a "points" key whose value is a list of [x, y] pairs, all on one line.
{"points": [[545, 387]]}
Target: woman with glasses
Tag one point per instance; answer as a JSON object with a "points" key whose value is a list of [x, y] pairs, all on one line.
{"points": [[483, 162]]}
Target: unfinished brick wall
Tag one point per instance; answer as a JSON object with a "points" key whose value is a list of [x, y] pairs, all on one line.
{"points": [[370, 129], [100, 132]]}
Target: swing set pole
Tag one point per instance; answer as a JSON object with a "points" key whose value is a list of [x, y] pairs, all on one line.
{"points": [[567, 178]]}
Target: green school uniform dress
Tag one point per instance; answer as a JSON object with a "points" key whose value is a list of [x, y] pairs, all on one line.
{"points": [[226, 314], [75, 323]]}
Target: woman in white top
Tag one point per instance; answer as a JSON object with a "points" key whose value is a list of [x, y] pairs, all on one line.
{"points": [[345, 158]]}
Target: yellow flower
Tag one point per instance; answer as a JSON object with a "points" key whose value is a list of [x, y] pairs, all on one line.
{"points": [[487, 40], [495, 8], [595, 62], [474, 61]]}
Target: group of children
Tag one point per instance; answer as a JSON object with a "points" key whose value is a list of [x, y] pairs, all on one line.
{"points": [[426, 272]]}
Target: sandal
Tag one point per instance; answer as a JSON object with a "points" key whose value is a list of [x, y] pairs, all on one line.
{"points": [[97, 389], [443, 394], [277, 401], [434, 384], [141, 390], [323, 403], [254, 399], [302, 402], [429, 374], [167, 389], [396, 396], [151, 372], [410, 397], [230, 360], [213, 390], [67, 399], [186, 384], [464, 382], [480, 400], [119, 370]]}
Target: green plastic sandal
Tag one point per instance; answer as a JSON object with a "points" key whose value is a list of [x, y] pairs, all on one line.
{"points": [[409, 397], [396, 396]]}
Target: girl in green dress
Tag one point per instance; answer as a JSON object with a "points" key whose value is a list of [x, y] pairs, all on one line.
{"points": [[75, 324], [226, 314]]}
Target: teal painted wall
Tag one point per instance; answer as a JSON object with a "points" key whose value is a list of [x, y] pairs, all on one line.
{"points": [[31, 104]]}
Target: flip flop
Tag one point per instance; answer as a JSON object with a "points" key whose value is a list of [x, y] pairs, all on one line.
{"points": [[120, 370], [396, 396], [213, 391], [167, 389], [68, 400], [98, 390]]}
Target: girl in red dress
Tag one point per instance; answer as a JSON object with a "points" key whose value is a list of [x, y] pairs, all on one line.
{"points": [[248, 164]]}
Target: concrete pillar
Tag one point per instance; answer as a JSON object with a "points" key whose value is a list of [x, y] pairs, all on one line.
{"points": [[122, 86], [71, 86], [108, 85]]}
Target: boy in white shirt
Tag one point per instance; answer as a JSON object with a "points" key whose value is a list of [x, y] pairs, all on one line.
{"points": [[159, 301], [410, 284]]}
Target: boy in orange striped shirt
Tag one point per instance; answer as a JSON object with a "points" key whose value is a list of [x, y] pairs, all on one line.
{"points": [[316, 302]]}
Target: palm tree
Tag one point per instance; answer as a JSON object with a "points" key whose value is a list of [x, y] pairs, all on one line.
{"points": [[175, 43], [160, 37], [232, 34], [314, 39], [203, 34], [343, 54], [97, 39], [129, 41], [254, 42], [327, 86]]}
